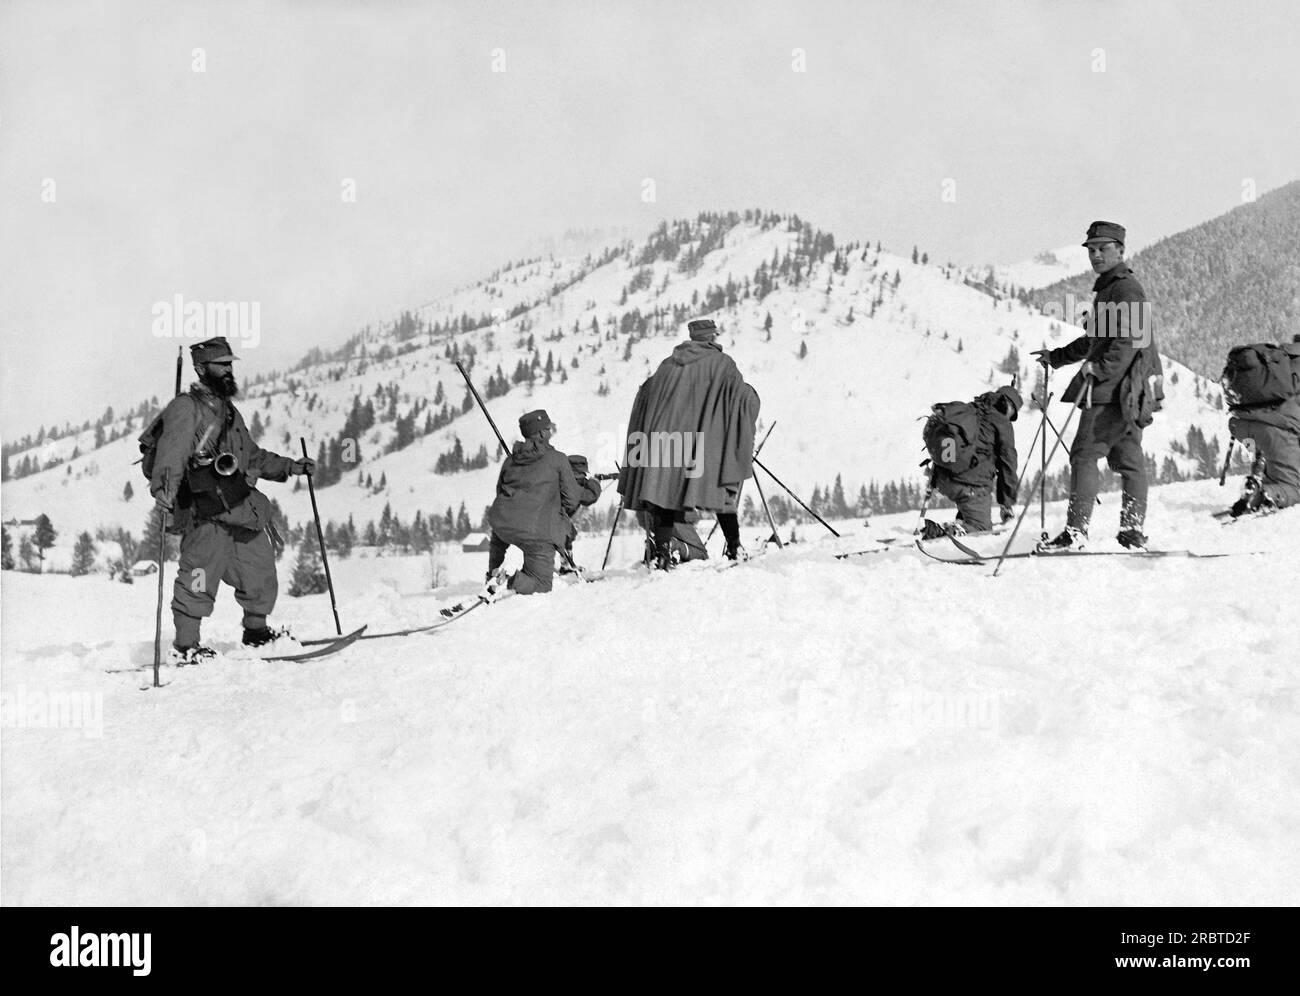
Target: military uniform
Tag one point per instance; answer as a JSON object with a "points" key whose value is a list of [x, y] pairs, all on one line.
{"points": [[996, 466], [536, 494], [224, 521]]}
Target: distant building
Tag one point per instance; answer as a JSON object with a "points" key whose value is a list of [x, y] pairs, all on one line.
{"points": [[475, 543], [143, 567]]}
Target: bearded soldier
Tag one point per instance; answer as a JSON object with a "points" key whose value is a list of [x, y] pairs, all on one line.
{"points": [[205, 470]]}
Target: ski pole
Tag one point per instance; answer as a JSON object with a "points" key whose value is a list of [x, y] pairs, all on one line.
{"points": [[756, 453], [1042, 489], [1021, 479], [483, 408], [1042, 473], [320, 537], [613, 529], [925, 502], [157, 623], [770, 521], [162, 552], [777, 480], [1223, 478]]}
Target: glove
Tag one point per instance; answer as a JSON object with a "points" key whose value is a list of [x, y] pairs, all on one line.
{"points": [[299, 467], [1007, 513], [161, 501], [1042, 356], [1089, 369]]}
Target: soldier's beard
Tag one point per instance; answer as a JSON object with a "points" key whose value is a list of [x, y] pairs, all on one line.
{"points": [[223, 386]]}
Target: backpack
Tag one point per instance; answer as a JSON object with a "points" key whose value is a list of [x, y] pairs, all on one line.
{"points": [[1260, 374], [951, 434], [1142, 389], [149, 446]]}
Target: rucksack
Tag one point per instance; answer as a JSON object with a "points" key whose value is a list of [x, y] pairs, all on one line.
{"points": [[149, 446], [1260, 374], [1142, 389], [951, 434]]}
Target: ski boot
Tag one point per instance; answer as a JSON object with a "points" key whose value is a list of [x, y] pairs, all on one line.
{"points": [[1131, 539], [737, 553], [932, 530], [1252, 500], [195, 654], [262, 635], [497, 582], [665, 558], [1069, 540]]}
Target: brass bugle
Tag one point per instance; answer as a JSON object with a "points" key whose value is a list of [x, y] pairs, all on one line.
{"points": [[226, 464]]}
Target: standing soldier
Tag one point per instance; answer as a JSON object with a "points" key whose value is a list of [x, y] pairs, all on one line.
{"points": [[536, 494], [690, 441], [205, 469], [992, 467], [1118, 388]]}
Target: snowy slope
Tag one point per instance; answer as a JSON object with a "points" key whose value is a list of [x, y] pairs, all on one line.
{"points": [[849, 407], [1046, 268], [883, 729]]}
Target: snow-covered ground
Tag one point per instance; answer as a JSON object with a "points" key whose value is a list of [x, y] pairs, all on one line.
{"points": [[801, 729]]}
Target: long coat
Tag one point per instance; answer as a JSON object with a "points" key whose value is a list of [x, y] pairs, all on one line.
{"points": [[690, 440]]}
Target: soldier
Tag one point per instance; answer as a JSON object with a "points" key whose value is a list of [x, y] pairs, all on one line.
{"points": [[1274, 428], [685, 543], [205, 469], [1118, 387], [590, 494], [690, 441], [536, 494], [993, 468]]}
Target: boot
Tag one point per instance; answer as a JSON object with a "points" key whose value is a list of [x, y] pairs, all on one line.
{"points": [[664, 558], [735, 552], [1251, 500], [1070, 538], [193, 654], [1132, 514], [497, 582], [262, 635]]}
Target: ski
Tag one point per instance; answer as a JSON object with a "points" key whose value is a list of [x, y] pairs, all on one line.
{"points": [[331, 647], [1035, 555], [947, 560]]}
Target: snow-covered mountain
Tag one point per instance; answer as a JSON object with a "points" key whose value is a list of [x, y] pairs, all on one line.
{"points": [[847, 344]]}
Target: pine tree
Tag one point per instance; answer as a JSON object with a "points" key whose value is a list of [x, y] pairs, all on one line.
{"points": [[148, 548], [128, 492], [6, 551], [839, 507], [83, 555], [26, 554], [308, 574], [43, 537]]}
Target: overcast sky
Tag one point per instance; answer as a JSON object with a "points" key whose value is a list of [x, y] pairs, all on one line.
{"points": [[226, 184]]}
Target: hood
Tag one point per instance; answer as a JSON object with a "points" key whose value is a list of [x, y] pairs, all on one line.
{"points": [[687, 353], [529, 450]]}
